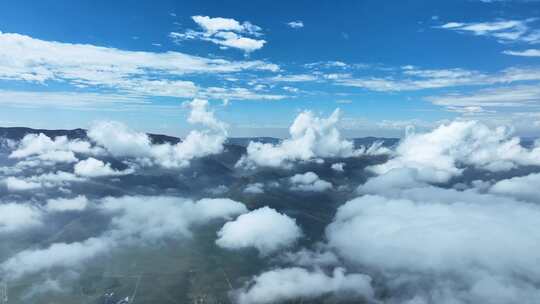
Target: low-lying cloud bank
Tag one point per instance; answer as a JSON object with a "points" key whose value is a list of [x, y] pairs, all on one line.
{"points": [[287, 284], [444, 152], [135, 220], [90, 158], [450, 217], [120, 141], [117, 140], [443, 245], [15, 217]]}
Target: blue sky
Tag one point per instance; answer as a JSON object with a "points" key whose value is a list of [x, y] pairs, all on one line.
{"points": [[385, 64]]}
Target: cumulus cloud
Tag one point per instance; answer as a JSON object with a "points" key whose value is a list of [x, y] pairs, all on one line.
{"points": [[255, 188], [14, 217], [57, 150], [151, 218], [264, 229], [309, 181], [18, 184], [522, 187], [225, 32], [57, 255], [443, 153], [310, 137], [201, 114], [92, 167], [441, 245], [339, 167], [393, 180], [294, 283], [77, 203], [45, 180], [120, 141]]}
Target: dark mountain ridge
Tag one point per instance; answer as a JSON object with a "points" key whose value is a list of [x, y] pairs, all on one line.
{"points": [[17, 133]]}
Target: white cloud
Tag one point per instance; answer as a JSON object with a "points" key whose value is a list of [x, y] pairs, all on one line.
{"points": [[57, 255], [264, 229], [310, 137], [120, 141], [503, 31], [513, 96], [296, 24], [286, 284], [417, 79], [441, 154], [17, 184], [254, 188], [64, 99], [59, 149], [77, 203], [521, 187], [28, 59], [310, 258], [442, 245], [294, 78], [225, 32], [392, 180], [15, 217], [219, 190], [92, 167], [237, 94], [201, 114], [525, 53], [218, 24], [134, 219], [151, 218], [309, 181], [51, 179], [339, 167]]}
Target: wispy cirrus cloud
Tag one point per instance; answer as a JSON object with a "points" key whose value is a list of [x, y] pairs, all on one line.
{"points": [[503, 30], [513, 96], [412, 79], [525, 53]]}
